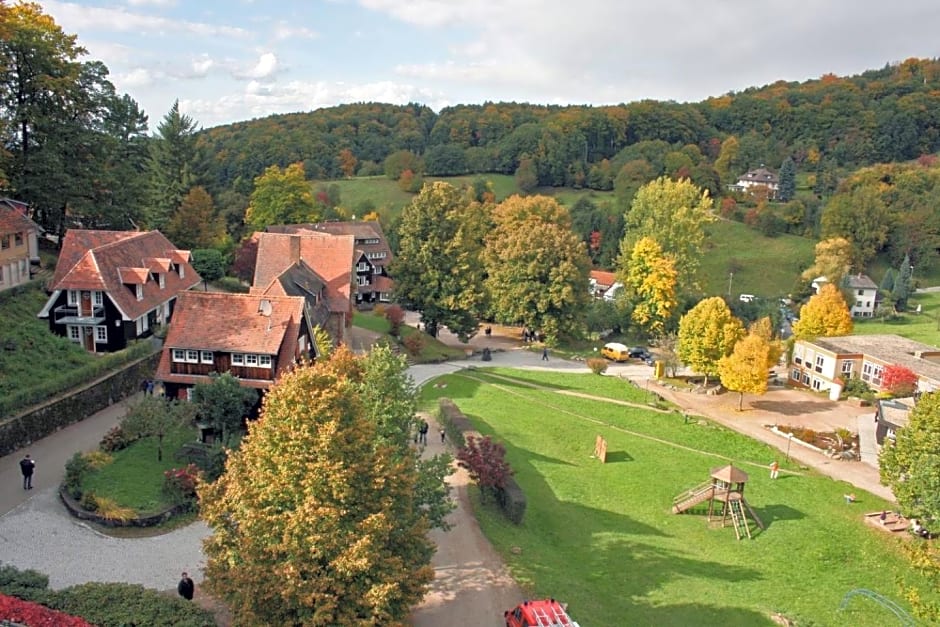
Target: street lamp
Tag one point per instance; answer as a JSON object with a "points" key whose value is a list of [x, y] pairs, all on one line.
{"points": [[789, 441], [730, 279]]}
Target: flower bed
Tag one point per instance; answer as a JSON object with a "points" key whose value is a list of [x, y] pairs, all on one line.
{"points": [[21, 612]]}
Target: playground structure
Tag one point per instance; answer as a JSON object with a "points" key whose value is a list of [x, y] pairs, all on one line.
{"points": [[725, 495]]}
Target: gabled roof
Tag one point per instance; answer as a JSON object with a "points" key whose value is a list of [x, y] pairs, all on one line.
{"points": [[111, 260], [361, 230], [331, 257], [729, 474], [761, 176], [603, 278], [13, 218], [233, 323], [860, 282]]}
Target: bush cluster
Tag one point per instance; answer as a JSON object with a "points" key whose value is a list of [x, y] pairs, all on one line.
{"points": [[597, 365], [179, 485], [115, 439]]}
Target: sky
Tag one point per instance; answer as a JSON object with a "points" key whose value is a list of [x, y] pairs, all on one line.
{"points": [[234, 60]]}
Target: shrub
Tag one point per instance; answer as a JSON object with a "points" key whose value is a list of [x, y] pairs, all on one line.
{"points": [[856, 387], [14, 581], [89, 502], [29, 613], [108, 509], [395, 316], [485, 460], [414, 344], [98, 459], [115, 439], [120, 604], [512, 501], [455, 423], [597, 365], [232, 284], [75, 470], [379, 310], [179, 484]]}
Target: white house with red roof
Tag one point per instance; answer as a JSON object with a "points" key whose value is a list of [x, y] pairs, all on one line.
{"points": [[111, 287], [255, 337]]}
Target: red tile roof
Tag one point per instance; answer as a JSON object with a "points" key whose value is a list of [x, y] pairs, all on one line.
{"points": [[221, 322], [362, 230], [603, 278], [330, 256], [109, 260], [14, 221]]}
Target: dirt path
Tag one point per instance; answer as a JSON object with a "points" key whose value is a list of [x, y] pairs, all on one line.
{"points": [[471, 585]]}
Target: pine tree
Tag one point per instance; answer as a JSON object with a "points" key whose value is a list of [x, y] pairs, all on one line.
{"points": [[173, 165], [787, 187], [902, 284]]}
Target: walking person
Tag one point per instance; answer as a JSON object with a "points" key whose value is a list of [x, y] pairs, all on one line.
{"points": [[423, 432], [774, 469], [186, 587], [443, 435], [27, 466], [544, 353]]}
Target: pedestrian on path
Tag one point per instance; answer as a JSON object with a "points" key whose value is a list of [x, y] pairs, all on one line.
{"points": [[423, 432], [544, 353], [27, 466], [186, 587], [774, 469], [443, 435]]}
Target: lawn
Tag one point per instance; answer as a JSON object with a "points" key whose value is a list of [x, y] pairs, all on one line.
{"points": [[923, 327], [135, 478], [602, 538], [765, 266], [433, 350]]}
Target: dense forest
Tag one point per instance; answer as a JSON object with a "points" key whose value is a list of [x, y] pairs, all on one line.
{"points": [[861, 147]]}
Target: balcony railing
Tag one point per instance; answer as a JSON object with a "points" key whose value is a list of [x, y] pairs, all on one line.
{"points": [[73, 314]]}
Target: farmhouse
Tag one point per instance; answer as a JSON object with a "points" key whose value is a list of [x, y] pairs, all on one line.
{"points": [[111, 287], [752, 180], [19, 244]]}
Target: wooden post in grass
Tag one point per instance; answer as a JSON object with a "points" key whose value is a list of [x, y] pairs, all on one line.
{"points": [[600, 449]]}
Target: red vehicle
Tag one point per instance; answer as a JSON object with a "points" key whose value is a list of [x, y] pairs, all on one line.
{"points": [[544, 613]]}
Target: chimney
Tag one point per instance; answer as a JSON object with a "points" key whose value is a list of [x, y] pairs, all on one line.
{"points": [[294, 248]]}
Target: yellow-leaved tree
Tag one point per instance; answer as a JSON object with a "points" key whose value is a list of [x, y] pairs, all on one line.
{"points": [[708, 332], [315, 521], [765, 329], [651, 279], [825, 315], [745, 370], [833, 260]]}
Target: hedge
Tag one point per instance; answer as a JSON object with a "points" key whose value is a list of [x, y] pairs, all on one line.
{"points": [[106, 604], [511, 498], [34, 424]]}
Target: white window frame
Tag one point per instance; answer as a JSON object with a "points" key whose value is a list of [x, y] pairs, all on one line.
{"points": [[73, 297], [179, 355], [192, 356], [362, 266], [18, 239], [238, 359], [251, 360], [848, 366], [140, 291], [101, 334], [182, 272], [265, 361], [75, 333], [97, 298], [795, 374], [384, 297], [206, 357], [161, 278]]}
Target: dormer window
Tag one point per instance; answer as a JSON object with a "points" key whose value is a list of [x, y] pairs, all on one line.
{"points": [[73, 297], [182, 271], [161, 278], [98, 298], [139, 291]]}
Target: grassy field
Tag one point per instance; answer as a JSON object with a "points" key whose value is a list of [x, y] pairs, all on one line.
{"points": [[923, 327], [433, 350], [765, 266], [135, 477], [602, 538]]}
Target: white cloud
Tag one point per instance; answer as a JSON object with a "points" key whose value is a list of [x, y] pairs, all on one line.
{"points": [[283, 30], [138, 77], [79, 18], [201, 66], [266, 66], [155, 3]]}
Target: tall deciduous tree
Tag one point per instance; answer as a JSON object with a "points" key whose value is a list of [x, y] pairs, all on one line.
{"points": [[825, 315], [833, 260], [438, 270], [650, 277], [154, 417], [899, 380], [537, 267], [224, 403], [911, 467], [674, 213], [281, 196], [312, 522], [861, 217], [902, 288], [173, 165], [745, 370], [196, 223], [707, 333]]}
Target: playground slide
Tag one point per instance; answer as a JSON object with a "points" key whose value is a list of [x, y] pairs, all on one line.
{"points": [[693, 499]]}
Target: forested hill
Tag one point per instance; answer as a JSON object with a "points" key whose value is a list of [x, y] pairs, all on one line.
{"points": [[838, 123]]}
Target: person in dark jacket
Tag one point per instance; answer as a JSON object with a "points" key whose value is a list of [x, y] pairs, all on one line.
{"points": [[27, 466], [186, 587]]}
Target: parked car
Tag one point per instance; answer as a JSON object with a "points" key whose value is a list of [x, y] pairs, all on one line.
{"points": [[639, 352], [615, 351]]}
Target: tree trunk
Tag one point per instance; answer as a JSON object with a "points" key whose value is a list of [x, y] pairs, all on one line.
{"points": [[741, 401], [159, 448]]}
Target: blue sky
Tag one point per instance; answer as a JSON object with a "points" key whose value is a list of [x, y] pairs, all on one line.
{"points": [[242, 59]]}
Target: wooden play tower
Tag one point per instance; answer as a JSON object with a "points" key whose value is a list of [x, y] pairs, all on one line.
{"points": [[725, 495]]}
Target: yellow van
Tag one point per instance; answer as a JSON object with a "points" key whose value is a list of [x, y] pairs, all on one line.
{"points": [[615, 351]]}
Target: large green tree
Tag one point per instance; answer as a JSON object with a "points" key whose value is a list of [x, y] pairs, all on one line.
{"points": [[196, 224], [537, 267], [674, 214], [281, 196], [707, 333], [174, 161], [861, 217], [313, 522], [911, 466], [224, 403], [438, 270]]}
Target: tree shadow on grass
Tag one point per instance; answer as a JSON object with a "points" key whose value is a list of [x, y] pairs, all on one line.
{"points": [[792, 408], [615, 457], [770, 514]]}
